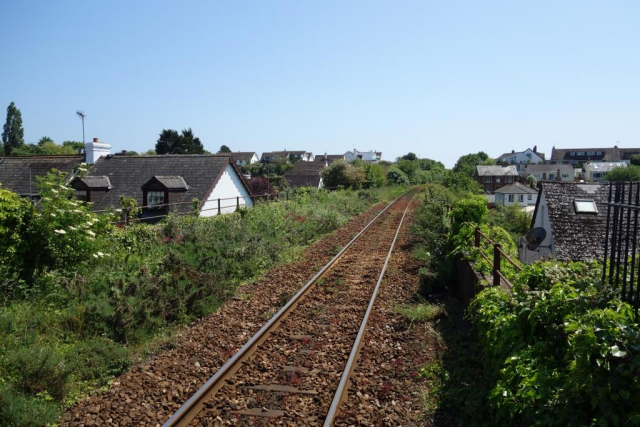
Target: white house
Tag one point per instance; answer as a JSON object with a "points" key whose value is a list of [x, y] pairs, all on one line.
{"points": [[548, 172], [366, 156], [271, 156], [521, 158], [516, 194], [244, 158], [596, 171], [166, 183]]}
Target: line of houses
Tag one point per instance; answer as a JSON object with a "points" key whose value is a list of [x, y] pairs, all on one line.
{"points": [[164, 183]]}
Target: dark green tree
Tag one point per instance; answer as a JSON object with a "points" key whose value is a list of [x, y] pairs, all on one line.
{"points": [[13, 134], [171, 142], [409, 156], [75, 145], [631, 173], [467, 163], [224, 149], [635, 159], [44, 140]]}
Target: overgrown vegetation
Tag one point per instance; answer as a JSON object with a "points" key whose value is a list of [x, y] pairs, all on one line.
{"points": [[560, 349], [81, 295]]}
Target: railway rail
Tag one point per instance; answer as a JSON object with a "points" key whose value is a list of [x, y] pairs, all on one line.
{"points": [[295, 370]]}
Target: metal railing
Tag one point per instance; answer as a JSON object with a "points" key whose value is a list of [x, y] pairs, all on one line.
{"points": [[498, 255], [621, 242]]}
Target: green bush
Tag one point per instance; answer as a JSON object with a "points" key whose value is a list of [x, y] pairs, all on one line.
{"points": [[99, 359], [17, 409], [561, 350], [471, 209], [38, 369]]}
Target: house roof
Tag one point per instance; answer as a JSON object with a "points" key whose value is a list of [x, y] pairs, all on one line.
{"points": [[513, 153], [329, 157], [92, 182], [608, 154], [305, 174], [531, 168], [128, 174], [243, 155], [19, 174], [282, 153], [603, 166], [516, 188], [482, 170], [577, 236]]}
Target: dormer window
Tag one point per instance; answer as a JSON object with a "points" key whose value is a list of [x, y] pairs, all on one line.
{"points": [[155, 198], [585, 206], [90, 184]]}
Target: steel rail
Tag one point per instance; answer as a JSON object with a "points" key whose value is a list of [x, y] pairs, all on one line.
{"points": [[188, 411], [343, 386]]}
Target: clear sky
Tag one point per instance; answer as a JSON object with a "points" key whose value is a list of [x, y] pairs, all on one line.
{"points": [[439, 78]]}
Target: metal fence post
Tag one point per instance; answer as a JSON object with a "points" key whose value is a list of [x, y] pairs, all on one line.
{"points": [[477, 234], [237, 203], [496, 264], [219, 212]]}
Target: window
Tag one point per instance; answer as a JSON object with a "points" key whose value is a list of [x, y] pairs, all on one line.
{"points": [[498, 179], [590, 153], [509, 179], [596, 175], [155, 198], [585, 206], [511, 197], [82, 195], [521, 198], [573, 153], [552, 176], [487, 179], [565, 175], [529, 197]]}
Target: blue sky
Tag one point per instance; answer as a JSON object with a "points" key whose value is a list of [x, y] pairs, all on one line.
{"points": [[439, 78]]}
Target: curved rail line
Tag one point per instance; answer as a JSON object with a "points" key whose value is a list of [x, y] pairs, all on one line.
{"points": [[190, 409]]}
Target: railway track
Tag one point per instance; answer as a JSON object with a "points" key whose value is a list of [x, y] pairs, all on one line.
{"points": [[295, 370]]}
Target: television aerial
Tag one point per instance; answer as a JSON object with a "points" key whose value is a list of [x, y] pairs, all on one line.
{"points": [[535, 237]]}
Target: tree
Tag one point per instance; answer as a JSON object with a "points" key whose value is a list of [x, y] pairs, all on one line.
{"points": [[13, 134], [409, 156], [635, 159], [375, 175], [224, 149], [341, 173], [532, 181], [467, 163], [171, 142], [631, 173], [48, 148], [44, 140], [76, 145]]}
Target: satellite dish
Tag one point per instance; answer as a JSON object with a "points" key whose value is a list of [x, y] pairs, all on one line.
{"points": [[535, 237]]}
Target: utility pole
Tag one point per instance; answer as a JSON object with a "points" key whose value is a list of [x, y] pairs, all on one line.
{"points": [[82, 115]]}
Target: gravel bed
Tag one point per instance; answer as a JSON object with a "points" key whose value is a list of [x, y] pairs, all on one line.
{"points": [[297, 369], [152, 391]]}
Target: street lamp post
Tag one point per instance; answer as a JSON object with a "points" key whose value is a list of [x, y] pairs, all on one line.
{"points": [[82, 116]]}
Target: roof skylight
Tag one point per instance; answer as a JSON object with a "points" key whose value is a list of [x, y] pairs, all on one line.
{"points": [[585, 206]]}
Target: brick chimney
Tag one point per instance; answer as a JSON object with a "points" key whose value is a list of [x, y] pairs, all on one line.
{"points": [[96, 149]]}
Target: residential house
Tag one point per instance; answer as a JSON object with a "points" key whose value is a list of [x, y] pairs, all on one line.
{"points": [[329, 158], [306, 174], [573, 216], [272, 156], [493, 177], [547, 172], [597, 171], [244, 158], [516, 194], [20, 174], [370, 156], [579, 156], [167, 183], [521, 158]]}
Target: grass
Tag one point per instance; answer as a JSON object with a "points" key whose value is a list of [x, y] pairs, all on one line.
{"points": [[422, 312]]}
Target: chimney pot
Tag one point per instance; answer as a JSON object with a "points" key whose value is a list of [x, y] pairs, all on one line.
{"points": [[95, 140]]}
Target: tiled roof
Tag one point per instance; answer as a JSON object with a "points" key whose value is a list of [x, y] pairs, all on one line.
{"points": [[129, 173], [172, 182], [608, 154], [516, 188], [19, 174], [305, 174], [243, 155], [496, 170], [577, 237], [513, 153], [329, 157], [92, 182]]}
